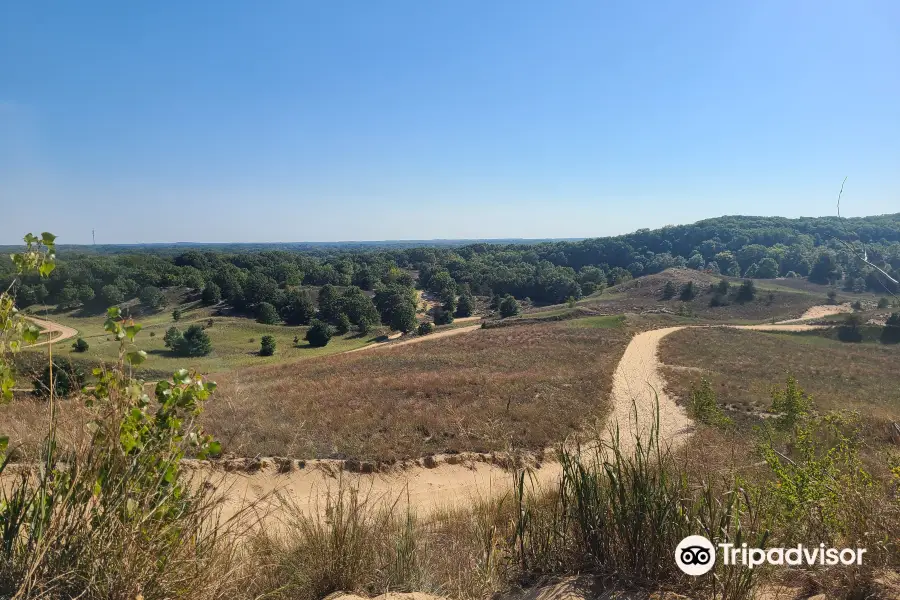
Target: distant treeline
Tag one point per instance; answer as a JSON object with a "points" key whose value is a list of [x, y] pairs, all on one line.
{"points": [[545, 272]]}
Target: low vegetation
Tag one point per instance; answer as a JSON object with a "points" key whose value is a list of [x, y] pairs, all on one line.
{"points": [[496, 389]]}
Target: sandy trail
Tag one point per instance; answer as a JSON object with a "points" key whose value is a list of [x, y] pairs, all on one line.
{"points": [[420, 338], [449, 481], [50, 328]]}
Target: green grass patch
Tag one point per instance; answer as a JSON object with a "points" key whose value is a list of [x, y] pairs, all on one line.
{"points": [[598, 322]]}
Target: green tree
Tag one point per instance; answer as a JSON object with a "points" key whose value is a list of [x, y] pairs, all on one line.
{"points": [[669, 290], [111, 295], [891, 332], [425, 328], [767, 268], [299, 309], [85, 294], [442, 317], [883, 303], [319, 334], [81, 345], [68, 378], [403, 317], [358, 306], [329, 303], [266, 314], [746, 292], [212, 294], [151, 297], [466, 306], [193, 342], [688, 291], [176, 315], [365, 326], [509, 307], [826, 269], [173, 335], [267, 346], [343, 324]]}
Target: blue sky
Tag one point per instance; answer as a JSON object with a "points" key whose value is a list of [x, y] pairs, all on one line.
{"points": [[290, 121]]}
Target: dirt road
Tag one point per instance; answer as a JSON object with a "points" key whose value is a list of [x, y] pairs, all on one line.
{"points": [[446, 481], [420, 338], [49, 328]]}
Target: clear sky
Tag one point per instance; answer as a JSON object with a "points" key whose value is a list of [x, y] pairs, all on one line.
{"points": [[339, 120]]}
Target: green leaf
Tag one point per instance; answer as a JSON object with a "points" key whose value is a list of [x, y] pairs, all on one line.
{"points": [[136, 357], [132, 330], [113, 312], [31, 333], [47, 238], [4, 443], [47, 267]]}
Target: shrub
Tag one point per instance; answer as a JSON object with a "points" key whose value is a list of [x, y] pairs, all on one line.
{"points": [[669, 290], [704, 407], [509, 307], [68, 379], [791, 403], [857, 305], [746, 292], [266, 314], [81, 345], [319, 334], [718, 300], [688, 291], [267, 346], [176, 315], [466, 306], [442, 317], [883, 302], [342, 325], [172, 336], [425, 328], [193, 342], [891, 332], [365, 325], [832, 297]]}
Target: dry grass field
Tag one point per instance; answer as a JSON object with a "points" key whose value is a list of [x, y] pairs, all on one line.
{"points": [[521, 387], [743, 366]]}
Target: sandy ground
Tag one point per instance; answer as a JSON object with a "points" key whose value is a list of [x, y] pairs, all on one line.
{"points": [[817, 312], [50, 328], [421, 338], [448, 481]]}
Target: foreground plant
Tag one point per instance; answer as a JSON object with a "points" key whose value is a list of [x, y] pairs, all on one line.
{"points": [[113, 518]]}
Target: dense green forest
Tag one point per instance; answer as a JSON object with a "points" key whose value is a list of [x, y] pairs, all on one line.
{"points": [[368, 284]]}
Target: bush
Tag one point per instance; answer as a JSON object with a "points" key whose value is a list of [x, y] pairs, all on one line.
{"points": [[718, 300], [704, 406], [442, 317], [193, 342], [68, 379], [832, 297], [891, 332], [669, 290], [267, 346], [688, 291], [365, 325], [425, 328], [509, 307], [342, 326], [747, 291], [466, 306], [319, 334], [172, 336], [849, 331], [883, 303], [266, 314], [176, 315], [81, 345]]}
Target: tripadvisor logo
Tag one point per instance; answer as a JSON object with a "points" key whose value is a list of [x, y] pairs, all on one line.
{"points": [[695, 555]]}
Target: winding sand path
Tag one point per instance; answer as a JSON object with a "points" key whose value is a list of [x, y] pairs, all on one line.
{"points": [[50, 328], [448, 481]]}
